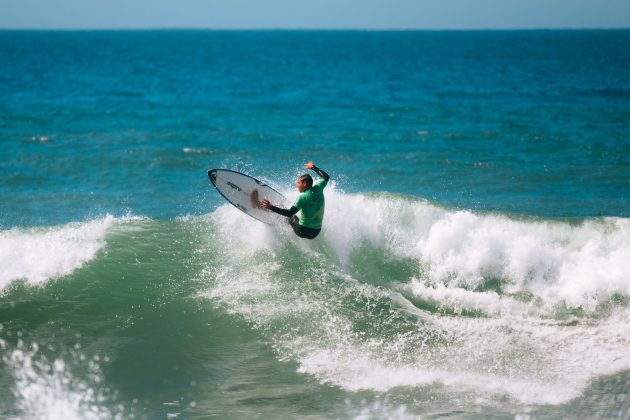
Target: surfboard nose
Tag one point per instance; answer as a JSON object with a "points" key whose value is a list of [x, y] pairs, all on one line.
{"points": [[213, 175]]}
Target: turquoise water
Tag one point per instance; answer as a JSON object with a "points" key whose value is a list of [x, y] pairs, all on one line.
{"points": [[475, 256]]}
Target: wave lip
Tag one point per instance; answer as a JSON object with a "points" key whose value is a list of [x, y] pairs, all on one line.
{"points": [[37, 255]]}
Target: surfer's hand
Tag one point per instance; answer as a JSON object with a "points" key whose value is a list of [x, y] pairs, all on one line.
{"points": [[265, 204], [309, 165]]}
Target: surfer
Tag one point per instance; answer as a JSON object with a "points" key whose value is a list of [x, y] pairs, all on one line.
{"points": [[310, 203]]}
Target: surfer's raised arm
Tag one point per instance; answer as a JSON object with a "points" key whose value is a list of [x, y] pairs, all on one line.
{"points": [[310, 165]]}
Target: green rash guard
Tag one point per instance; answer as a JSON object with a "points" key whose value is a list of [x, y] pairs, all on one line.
{"points": [[311, 204]]}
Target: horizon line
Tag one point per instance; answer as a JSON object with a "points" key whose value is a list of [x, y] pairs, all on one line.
{"points": [[323, 29]]}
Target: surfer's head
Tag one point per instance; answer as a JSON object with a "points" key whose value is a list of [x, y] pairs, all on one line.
{"points": [[304, 182]]}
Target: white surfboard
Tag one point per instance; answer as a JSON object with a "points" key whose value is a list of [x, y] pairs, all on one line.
{"points": [[245, 192]]}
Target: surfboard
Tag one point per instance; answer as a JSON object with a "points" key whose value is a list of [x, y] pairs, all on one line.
{"points": [[244, 193]]}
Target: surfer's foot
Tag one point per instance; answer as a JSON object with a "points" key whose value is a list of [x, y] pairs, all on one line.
{"points": [[254, 199]]}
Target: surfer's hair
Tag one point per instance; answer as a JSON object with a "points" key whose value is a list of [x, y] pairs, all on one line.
{"points": [[308, 179]]}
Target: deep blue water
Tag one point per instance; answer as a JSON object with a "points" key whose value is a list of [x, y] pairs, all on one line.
{"points": [[527, 122], [475, 254]]}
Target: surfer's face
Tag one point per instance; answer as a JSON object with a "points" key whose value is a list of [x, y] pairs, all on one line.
{"points": [[301, 185]]}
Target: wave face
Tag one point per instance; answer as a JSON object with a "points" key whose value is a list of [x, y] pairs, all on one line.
{"points": [[404, 308], [401, 293]]}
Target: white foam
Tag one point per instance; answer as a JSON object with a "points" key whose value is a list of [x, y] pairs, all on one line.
{"points": [[49, 390], [37, 255], [377, 410], [577, 265], [199, 151], [356, 370], [384, 222], [458, 300], [239, 232], [533, 362], [518, 346]]}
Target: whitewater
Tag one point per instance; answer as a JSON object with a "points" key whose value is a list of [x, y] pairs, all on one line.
{"points": [[397, 294]]}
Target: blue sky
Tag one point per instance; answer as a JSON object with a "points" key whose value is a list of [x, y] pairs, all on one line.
{"points": [[311, 14]]}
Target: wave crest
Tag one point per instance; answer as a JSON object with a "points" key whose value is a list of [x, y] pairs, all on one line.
{"points": [[37, 255]]}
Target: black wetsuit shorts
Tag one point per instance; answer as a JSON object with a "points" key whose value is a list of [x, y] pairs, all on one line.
{"points": [[303, 231]]}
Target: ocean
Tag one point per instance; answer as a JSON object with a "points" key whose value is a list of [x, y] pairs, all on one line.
{"points": [[474, 259]]}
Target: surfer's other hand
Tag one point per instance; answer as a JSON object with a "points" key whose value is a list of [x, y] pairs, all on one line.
{"points": [[265, 204], [309, 165]]}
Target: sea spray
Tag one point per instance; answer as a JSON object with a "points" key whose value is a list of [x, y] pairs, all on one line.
{"points": [[67, 387], [491, 288]]}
